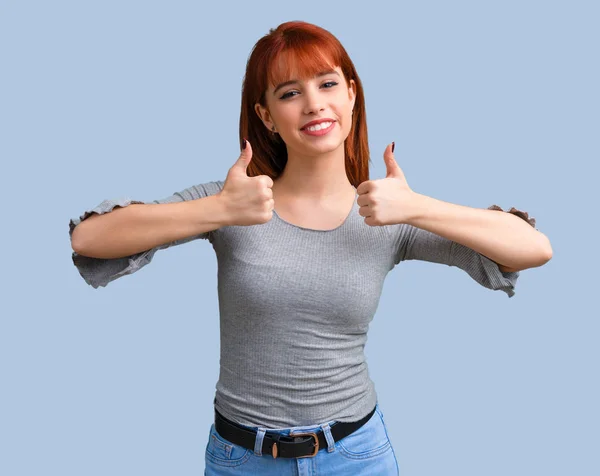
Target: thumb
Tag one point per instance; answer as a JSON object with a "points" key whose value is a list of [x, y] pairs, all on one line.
{"points": [[391, 166], [245, 156]]}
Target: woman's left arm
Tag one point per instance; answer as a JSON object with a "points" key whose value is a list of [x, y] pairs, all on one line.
{"points": [[508, 239]]}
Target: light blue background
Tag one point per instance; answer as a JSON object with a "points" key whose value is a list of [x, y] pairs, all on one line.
{"points": [[488, 102]]}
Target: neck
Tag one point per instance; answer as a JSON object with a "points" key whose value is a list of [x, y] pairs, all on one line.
{"points": [[314, 178]]}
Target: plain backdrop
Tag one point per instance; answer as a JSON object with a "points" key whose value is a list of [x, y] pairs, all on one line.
{"points": [[488, 103]]}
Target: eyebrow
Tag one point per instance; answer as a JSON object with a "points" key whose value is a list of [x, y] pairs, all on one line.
{"points": [[293, 81]]}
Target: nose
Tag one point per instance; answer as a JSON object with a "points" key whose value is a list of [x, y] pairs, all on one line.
{"points": [[313, 102]]}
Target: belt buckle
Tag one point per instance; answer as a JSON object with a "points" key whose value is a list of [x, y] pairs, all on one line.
{"points": [[314, 435]]}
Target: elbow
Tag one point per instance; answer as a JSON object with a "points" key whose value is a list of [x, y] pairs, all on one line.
{"points": [[540, 257], [546, 254], [77, 240], [543, 255], [76, 246]]}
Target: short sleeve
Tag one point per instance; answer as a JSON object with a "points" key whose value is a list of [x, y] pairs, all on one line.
{"points": [[412, 243], [99, 272], [514, 211]]}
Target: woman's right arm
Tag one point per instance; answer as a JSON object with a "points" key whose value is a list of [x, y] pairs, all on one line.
{"points": [[139, 227], [118, 237]]}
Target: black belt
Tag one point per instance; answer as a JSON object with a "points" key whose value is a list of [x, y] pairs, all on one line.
{"points": [[299, 445]]}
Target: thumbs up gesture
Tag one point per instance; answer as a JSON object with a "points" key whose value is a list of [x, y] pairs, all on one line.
{"points": [[386, 201], [247, 200]]}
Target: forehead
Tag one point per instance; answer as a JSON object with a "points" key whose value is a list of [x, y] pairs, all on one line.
{"points": [[299, 66]]}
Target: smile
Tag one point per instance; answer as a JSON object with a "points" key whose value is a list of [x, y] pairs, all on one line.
{"points": [[319, 132]]}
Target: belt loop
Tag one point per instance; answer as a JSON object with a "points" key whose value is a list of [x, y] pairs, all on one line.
{"points": [[260, 435], [328, 437]]}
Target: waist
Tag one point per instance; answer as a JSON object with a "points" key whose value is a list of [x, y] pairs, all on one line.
{"points": [[280, 412]]}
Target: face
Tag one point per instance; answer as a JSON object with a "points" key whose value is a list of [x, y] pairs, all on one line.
{"points": [[291, 106]]}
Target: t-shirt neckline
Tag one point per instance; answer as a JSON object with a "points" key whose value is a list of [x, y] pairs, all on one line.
{"points": [[346, 220]]}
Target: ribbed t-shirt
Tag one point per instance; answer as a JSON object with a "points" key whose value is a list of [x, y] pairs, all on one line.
{"points": [[295, 306]]}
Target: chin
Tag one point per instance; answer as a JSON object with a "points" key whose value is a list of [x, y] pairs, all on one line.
{"points": [[329, 142], [326, 146]]}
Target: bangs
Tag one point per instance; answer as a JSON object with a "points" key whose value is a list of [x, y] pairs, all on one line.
{"points": [[300, 62]]}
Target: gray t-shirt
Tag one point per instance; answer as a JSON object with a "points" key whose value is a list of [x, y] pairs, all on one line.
{"points": [[295, 306]]}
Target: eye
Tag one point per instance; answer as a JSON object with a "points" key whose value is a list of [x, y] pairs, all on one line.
{"points": [[288, 94]]}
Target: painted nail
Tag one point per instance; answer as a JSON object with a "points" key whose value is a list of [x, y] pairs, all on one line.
{"points": [[393, 145], [244, 145]]}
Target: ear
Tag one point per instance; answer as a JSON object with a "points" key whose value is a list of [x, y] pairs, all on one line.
{"points": [[264, 115], [352, 92]]}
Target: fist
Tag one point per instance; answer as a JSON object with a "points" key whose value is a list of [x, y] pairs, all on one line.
{"points": [[247, 200]]}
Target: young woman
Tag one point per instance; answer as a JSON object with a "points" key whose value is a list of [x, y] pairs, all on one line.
{"points": [[304, 241]]}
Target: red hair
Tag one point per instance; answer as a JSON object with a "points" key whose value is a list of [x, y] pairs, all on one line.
{"points": [[304, 49]]}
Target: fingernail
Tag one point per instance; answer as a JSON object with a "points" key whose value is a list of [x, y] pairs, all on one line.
{"points": [[393, 145], [244, 144]]}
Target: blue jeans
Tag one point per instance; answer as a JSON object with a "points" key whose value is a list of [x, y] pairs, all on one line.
{"points": [[367, 451]]}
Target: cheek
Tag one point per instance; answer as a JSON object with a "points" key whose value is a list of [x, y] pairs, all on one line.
{"points": [[348, 120], [289, 115]]}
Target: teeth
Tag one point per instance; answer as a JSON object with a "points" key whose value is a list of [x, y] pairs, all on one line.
{"points": [[318, 127]]}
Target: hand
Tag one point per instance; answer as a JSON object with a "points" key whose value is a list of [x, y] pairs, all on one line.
{"points": [[247, 200], [387, 201]]}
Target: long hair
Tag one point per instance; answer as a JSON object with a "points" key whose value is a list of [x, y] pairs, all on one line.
{"points": [[305, 49]]}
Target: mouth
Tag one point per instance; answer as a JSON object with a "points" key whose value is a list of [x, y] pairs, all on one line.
{"points": [[319, 132]]}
